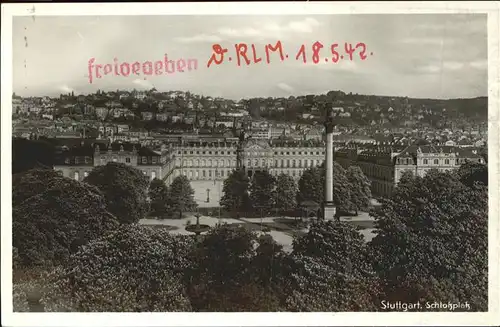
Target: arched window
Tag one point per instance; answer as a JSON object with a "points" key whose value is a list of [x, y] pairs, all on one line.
{"points": [[215, 162], [209, 162], [221, 163], [436, 161], [184, 162], [447, 161], [293, 164], [196, 162], [300, 163], [203, 162], [190, 162]]}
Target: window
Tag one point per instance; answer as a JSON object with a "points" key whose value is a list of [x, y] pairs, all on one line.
{"points": [[190, 152], [185, 152], [293, 163], [436, 161], [222, 152], [153, 174], [426, 161], [203, 162], [256, 162], [222, 173], [203, 152], [293, 153], [197, 152], [145, 160], [203, 173], [288, 153], [216, 152], [155, 160], [190, 162], [210, 162], [209, 152], [127, 160], [209, 173], [447, 161], [77, 176]]}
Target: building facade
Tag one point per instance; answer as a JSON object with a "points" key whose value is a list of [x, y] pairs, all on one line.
{"points": [[385, 165], [77, 162], [215, 159]]}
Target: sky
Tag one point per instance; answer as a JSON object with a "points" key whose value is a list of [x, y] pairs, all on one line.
{"points": [[414, 55]]}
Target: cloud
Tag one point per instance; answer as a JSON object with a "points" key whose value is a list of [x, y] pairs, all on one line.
{"points": [[305, 26], [479, 64], [272, 29], [65, 89], [453, 65], [143, 83], [235, 32], [285, 87], [198, 38], [429, 69]]}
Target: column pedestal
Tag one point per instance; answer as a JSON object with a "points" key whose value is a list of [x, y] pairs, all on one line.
{"points": [[329, 211]]}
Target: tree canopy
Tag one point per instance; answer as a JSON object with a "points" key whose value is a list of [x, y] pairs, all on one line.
{"points": [[262, 190], [235, 191], [63, 214], [432, 236], [286, 192], [134, 269], [125, 189], [181, 196]]}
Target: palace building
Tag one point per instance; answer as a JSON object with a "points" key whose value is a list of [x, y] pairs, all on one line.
{"points": [[77, 161], [206, 159], [384, 165]]}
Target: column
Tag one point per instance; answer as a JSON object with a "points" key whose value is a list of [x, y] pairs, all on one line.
{"points": [[329, 169]]}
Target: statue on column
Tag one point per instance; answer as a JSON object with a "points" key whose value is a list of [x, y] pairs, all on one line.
{"points": [[240, 153]]}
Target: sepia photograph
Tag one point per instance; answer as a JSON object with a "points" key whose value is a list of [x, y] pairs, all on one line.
{"points": [[280, 161]]}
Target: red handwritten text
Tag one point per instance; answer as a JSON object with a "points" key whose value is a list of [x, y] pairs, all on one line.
{"points": [[146, 68], [248, 54]]}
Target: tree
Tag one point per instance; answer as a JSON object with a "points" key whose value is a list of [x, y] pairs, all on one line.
{"points": [[181, 195], [235, 191], [30, 154], [432, 235], [49, 226], [262, 190], [311, 186], [360, 188], [231, 272], [471, 172], [125, 190], [102, 277], [32, 182], [286, 192], [330, 270], [159, 197]]}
